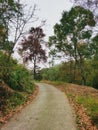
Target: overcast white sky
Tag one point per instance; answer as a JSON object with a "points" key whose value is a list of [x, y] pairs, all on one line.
{"points": [[49, 10]]}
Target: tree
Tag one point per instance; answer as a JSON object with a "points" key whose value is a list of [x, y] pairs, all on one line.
{"points": [[20, 23], [72, 36], [14, 19], [94, 47], [31, 48], [94, 64], [88, 4], [8, 11], [91, 5]]}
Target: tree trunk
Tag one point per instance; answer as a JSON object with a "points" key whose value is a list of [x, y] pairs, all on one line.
{"points": [[34, 69], [82, 73], [83, 80]]}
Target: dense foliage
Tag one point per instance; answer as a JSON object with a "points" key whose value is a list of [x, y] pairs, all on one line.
{"points": [[73, 38], [16, 76], [65, 72], [16, 84]]}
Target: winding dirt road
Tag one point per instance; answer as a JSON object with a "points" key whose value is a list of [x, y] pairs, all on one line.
{"points": [[49, 111]]}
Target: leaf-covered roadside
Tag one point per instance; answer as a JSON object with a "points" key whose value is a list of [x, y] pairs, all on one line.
{"points": [[15, 103], [85, 102]]}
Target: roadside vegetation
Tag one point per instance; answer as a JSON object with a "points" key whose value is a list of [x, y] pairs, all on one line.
{"points": [[16, 85], [16, 81]]}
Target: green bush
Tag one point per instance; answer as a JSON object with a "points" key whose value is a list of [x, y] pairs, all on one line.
{"points": [[21, 79], [16, 76], [15, 100]]}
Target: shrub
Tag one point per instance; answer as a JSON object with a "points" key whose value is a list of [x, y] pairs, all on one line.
{"points": [[16, 76]]}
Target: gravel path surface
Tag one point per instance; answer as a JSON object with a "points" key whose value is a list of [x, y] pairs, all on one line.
{"points": [[49, 111]]}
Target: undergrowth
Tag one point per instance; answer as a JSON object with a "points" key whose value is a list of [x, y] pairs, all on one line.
{"points": [[91, 105]]}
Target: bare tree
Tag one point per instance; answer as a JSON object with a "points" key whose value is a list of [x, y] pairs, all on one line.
{"points": [[21, 22]]}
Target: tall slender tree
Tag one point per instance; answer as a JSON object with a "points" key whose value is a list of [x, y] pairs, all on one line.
{"points": [[31, 48]]}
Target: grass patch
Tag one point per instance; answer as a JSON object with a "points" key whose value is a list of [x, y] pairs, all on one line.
{"points": [[69, 95], [91, 104], [56, 83]]}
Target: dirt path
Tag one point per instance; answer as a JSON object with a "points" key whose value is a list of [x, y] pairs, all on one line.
{"points": [[49, 111]]}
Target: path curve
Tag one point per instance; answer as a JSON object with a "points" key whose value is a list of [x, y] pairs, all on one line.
{"points": [[49, 111]]}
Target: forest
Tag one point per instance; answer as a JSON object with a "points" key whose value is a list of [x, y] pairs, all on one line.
{"points": [[75, 39]]}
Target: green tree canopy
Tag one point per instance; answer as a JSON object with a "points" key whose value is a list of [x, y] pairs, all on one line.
{"points": [[72, 35]]}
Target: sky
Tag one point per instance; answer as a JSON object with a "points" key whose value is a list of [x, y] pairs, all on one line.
{"points": [[49, 10]]}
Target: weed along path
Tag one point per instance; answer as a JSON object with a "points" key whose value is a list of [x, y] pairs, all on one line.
{"points": [[49, 111]]}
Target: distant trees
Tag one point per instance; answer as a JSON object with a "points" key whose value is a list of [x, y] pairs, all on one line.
{"points": [[31, 48], [60, 73], [72, 37], [51, 73]]}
